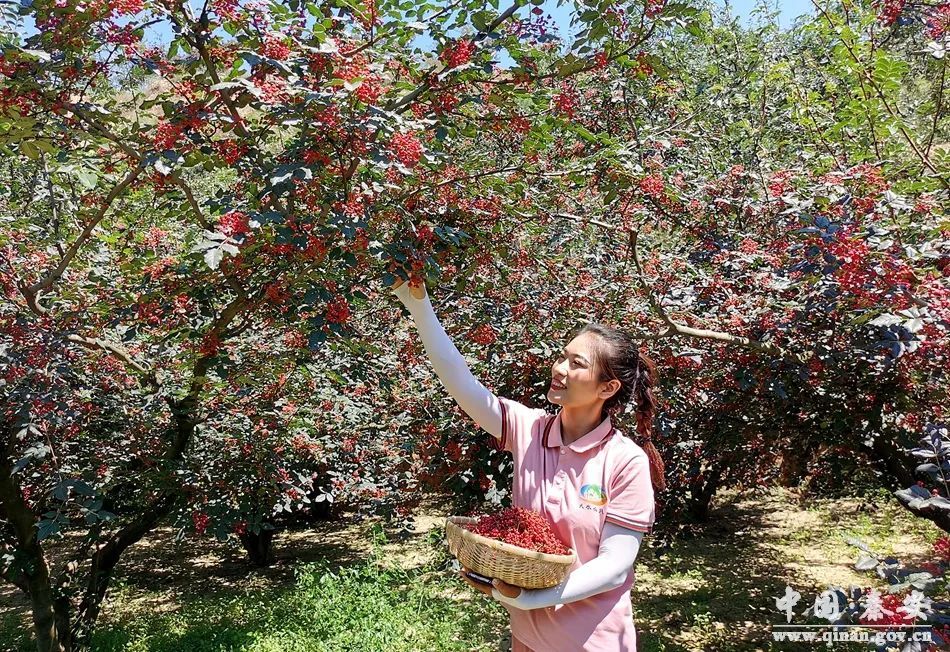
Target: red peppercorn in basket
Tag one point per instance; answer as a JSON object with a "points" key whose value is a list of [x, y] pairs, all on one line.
{"points": [[516, 545], [520, 527]]}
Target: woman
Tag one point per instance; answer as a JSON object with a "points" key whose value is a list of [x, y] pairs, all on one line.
{"points": [[592, 483]]}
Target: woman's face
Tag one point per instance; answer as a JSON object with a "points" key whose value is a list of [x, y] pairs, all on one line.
{"points": [[574, 376]]}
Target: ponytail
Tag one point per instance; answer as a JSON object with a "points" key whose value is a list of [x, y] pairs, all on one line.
{"points": [[645, 381]]}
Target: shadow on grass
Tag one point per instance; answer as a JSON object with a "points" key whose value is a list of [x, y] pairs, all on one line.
{"points": [[716, 590], [328, 608], [196, 568], [326, 591]]}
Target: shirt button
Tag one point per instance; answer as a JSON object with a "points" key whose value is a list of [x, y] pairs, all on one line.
{"points": [[563, 451]]}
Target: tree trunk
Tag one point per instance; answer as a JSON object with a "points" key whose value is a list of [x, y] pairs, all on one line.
{"points": [[106, 558], [700, 498], [258, 547], [48, 628], [895, 461], [888, 452], [794, 465], [50, 637]]}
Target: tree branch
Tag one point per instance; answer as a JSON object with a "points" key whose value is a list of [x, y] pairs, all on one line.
{"points": [[31, 292], [119, 351], [674, 328], [924, 158]]}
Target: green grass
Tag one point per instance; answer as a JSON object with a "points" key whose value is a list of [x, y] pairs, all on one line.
{"points": [[363, 607], [878, 530], [369, 606]]}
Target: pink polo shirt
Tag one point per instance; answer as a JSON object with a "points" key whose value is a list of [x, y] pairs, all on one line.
{"points": [[603, 476]]}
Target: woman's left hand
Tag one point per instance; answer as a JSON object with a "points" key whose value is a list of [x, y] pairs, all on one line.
{"points": [[506, 589]]}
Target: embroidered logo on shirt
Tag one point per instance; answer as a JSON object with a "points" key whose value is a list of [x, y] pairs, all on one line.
{"points": [[593, 494]]}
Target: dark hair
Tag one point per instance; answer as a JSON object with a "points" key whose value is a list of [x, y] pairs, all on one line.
{"points": [[617, 356]]}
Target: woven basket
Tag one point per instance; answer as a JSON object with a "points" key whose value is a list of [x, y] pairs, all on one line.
{"points": [[513, 564]]}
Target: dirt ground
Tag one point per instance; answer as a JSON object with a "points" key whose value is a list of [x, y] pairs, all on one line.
{"points": [[718, 588]]}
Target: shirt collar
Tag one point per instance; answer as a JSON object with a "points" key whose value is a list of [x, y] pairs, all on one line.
{"points": [[552, 439]]}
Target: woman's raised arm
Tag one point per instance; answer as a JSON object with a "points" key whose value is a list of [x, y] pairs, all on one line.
{"points": [[473, 397]]}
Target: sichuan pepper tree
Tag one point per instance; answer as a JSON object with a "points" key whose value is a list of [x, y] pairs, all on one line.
{"points": [[158, 235], [773, 231]]}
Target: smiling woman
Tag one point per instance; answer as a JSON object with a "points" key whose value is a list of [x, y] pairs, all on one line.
{"points": [[593, 485]]}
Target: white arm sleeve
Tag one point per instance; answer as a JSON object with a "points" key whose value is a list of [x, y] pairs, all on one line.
{"points": [[608, 570], [473, 397]]}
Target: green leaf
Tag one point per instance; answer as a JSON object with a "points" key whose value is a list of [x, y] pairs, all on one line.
{"points": [[28, 149], [46, 146], [481, 20], [47, 528], [88, 178], [39, 55], [583, 132], [570, 67]]}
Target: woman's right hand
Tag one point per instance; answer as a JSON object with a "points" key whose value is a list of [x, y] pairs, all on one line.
{"points": [[404, 290]]}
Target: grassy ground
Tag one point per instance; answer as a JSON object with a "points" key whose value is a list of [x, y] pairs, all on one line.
{"points": [[716, 591], [353, 587]]}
